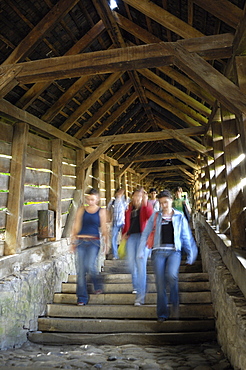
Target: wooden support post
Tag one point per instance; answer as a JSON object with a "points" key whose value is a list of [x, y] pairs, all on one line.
{"points": [[95, 174], [78, 197], [16, 190], [80, 170], [55, 194], [116, 177], [130, 187], [220, 179], [124, 181], [232, 149], [109, 181], [102, 184]]}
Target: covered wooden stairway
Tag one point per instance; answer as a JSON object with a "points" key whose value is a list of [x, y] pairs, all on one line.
{"points": [[112, 318]]}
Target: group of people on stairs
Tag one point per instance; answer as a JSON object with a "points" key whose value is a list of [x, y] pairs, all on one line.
{"points": [[135, 219]]}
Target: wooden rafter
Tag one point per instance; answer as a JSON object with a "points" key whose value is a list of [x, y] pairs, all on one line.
{"points": [[145, 136]]}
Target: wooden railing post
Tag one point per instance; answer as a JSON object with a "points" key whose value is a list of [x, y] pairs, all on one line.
{"points": [[16, 190], [55, 195]]}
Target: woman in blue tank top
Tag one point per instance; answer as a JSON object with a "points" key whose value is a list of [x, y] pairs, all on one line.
{"points": [[89, 221]]}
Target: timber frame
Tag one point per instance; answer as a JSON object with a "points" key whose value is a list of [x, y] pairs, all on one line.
{"points": [[151, 93]]}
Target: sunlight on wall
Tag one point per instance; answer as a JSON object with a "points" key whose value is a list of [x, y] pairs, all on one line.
{"points": [[238, 160]]}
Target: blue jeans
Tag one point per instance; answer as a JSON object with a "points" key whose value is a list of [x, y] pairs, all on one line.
{"points": [[115, 232], [87, 252], [166, 268], [137, 266]]}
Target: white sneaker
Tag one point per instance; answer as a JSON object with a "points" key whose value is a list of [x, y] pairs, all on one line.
{"points": [[137, 304], [134, 291]]}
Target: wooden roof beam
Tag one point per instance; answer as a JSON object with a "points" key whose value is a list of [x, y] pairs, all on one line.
{"points": [[208, 47], [103, 110], [123, 107], [209, 78], [163, 17], [144, 136], [34, 91], [161, 169], [115, 34], [40, 30], [85, 105], [157, 157], [162, 84], [173, 109], [222, 9], [50, 131]]}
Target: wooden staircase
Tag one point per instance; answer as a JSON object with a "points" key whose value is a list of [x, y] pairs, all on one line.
{"points": [[111, 317]]}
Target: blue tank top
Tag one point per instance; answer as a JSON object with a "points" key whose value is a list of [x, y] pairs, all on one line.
{"points": [[90, 224]]}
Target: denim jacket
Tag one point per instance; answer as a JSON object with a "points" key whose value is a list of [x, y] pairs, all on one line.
{"points": [[183, 239]]}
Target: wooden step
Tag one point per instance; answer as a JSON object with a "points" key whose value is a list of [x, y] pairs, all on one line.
{"points": [[121, 266], [187, 311], [129, 298], [126, 277], [111, 317], [127, 288], [71, 325], [117, 339]]}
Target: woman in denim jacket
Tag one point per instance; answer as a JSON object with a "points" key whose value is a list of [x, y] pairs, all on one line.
{"points": [[172, 236]]}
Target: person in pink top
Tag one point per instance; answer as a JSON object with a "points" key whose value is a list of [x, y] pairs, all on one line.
{"points": [[136, 217]]}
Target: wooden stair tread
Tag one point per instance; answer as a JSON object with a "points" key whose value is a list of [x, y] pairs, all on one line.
{"points": [[112, 318]]}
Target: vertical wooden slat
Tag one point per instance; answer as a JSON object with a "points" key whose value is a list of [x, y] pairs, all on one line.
{"points": [[233, 151], [123, 181], [220, 179], [16, 190], [80, 171], [108, 181], [56, 185], [95, 174], [116, 177]]}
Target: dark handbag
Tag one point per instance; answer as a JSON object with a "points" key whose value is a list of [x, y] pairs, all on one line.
{"points": [[186, 212], [150, 240]]}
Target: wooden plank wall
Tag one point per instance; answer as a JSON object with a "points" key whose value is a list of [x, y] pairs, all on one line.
{"points": [[219, 189], [45, 174]]}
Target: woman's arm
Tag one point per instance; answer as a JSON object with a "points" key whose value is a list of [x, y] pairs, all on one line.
{"points": [[77, 224], [104, 229]]}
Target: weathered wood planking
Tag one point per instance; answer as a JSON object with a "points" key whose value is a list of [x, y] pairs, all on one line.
{"points": [[38, 162], [5, 148], [2, 219], [68, 181], [37, 178], [67, 193], [6, 132], [30, 211], [63, 220], [29, 228], [34, 194], [4, 182], [69, 155], [3, 199], [65, 204], [68, 170], [39, 143]]}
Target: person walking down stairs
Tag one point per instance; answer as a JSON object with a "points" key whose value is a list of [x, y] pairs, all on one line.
{"points": [[136, 217], [116, 209], [85, 239], [172, 234]]}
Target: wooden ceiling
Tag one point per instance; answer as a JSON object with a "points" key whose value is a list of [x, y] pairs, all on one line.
{"points": [[140, 82]]}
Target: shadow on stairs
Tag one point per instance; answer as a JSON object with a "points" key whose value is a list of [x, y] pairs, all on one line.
{"points": [[111, 318]]}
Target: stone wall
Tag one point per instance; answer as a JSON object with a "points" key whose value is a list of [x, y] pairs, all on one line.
{"points": [[25, 293], [228, 301]]}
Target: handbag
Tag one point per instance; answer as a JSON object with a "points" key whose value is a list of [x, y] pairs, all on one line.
{"points": [[150, 240], [122, 248]]}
